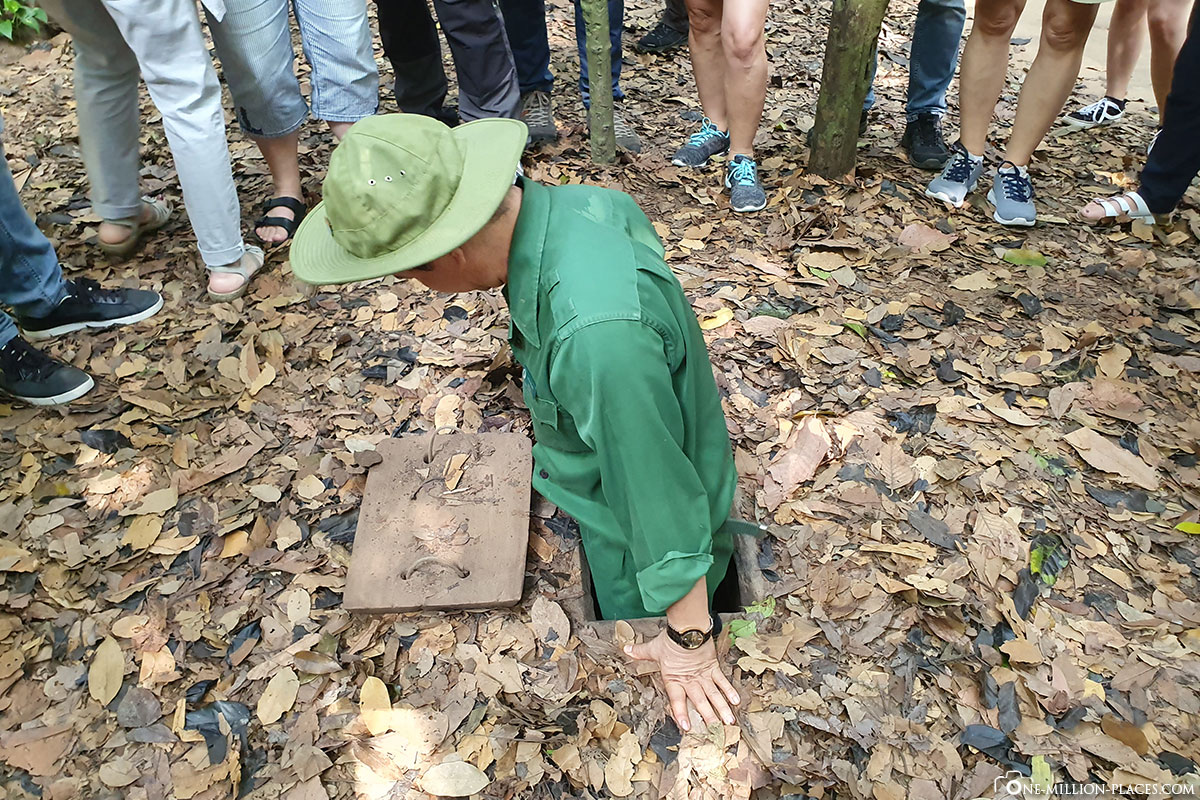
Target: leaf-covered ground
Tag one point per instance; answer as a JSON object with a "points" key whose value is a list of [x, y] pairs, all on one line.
{"points": [[937, 417]]}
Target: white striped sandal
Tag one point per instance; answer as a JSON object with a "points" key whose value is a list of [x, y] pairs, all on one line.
{"points": [[1120, 208], [221, 286]]}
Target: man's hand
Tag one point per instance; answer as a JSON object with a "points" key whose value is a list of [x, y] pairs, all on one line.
{"points": [[693, 675]]}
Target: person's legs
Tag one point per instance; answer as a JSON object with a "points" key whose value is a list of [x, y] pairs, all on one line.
{"points": [[487, 77], [936, 37], [1065, 28], [165, 37], [742, 40], [1175, 159], [254, 43], [708, 59], [410, 42], [336, 38], [1168, 24], [616, 22], [31, 280], [984, 68], [525, 26], [1125, 37], [106, 91]]}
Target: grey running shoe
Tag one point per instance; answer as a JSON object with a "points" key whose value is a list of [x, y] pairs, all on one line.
{"points": [[701, 146], [1012, 195], [958, 179], [1101, 112], [626, 136], [745, 189], [538, 114]]}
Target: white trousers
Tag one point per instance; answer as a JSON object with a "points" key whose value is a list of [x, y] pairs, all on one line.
{"points": [[115, 41]]}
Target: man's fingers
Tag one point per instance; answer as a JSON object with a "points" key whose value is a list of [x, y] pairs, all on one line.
{"points": [[696, 693], [718, 702], [641, 652], [725, 686], [678, 698]]}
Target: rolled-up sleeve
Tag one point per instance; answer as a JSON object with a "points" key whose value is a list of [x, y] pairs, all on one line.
{"points": [[614, 379]]}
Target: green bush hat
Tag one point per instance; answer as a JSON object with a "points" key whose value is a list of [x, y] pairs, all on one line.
{"points": [[402, 190]]}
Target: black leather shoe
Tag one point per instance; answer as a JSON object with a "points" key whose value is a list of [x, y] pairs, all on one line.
{"points": [[28, 374], [89, 306]]}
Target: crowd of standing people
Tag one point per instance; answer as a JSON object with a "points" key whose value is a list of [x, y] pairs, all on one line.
{"points": [[501, 55]]}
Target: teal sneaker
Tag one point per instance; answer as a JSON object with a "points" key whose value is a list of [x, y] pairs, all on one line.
{"points": [[702, 145], [745, 189]]}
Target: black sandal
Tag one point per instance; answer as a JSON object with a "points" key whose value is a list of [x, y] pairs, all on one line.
{"points": [[297, 207]]}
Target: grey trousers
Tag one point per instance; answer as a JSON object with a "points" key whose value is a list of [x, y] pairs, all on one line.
{"points": [[115, 41], [483, 62]]}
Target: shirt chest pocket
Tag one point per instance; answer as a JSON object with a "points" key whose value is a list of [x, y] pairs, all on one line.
{"points": [[552, 426]]}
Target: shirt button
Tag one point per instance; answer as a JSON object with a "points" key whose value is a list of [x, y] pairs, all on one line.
{"points": [[544, 475]]}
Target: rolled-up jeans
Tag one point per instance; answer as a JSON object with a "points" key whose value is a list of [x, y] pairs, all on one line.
{"points": [[254, 42], [115, 40], [31, 280], [933, 56]]}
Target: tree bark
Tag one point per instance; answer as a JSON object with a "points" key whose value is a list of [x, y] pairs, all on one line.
{"points": [[845, 78], [600, 116]]}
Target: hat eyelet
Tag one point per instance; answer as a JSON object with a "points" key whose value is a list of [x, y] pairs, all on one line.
{"points": [[387, 178], [402, 173], [370, 182]]}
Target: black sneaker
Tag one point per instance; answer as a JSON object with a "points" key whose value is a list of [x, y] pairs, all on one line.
{"points": [[89, 306], [662, 39], [28, 374], [924, 143]]}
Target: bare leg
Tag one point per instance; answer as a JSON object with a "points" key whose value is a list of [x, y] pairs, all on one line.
{"points": [[708, 58], [745, 71], [1065, 28], [1125, 37], [1168, 23], [281, 155], [339, 129], [984, 67]]}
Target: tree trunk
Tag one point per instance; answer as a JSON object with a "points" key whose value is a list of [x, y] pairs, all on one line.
{"points": [[600, 117], [845, 78]]}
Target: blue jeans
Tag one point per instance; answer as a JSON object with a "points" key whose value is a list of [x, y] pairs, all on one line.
{"points": [[31, 281], [933, 57], [525, 22]]}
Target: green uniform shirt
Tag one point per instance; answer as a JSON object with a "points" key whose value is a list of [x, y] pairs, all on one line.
{"points": [[631, 438]]}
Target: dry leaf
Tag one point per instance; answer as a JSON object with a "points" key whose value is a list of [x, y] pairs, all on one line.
{"points": [[309, 487], [715, 319], [1022, 651], [142, 532], [158, 502], [279, 696], [375, 706], [107, 671], [1105, 456], [454, 779]]}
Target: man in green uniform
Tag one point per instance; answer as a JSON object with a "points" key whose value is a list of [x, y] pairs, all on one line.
{"points": [[631, 438]]}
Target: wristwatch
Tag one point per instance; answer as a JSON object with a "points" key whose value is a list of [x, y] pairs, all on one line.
{"points": [[694, 638]]}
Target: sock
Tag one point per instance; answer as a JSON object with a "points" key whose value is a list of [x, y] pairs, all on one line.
{"points": [[1119, 103]]}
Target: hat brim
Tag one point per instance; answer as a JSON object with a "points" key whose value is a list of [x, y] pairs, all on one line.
{"points": [[491, 152]]}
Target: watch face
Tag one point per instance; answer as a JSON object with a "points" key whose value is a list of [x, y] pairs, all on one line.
{"points": [[693, 639]]}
